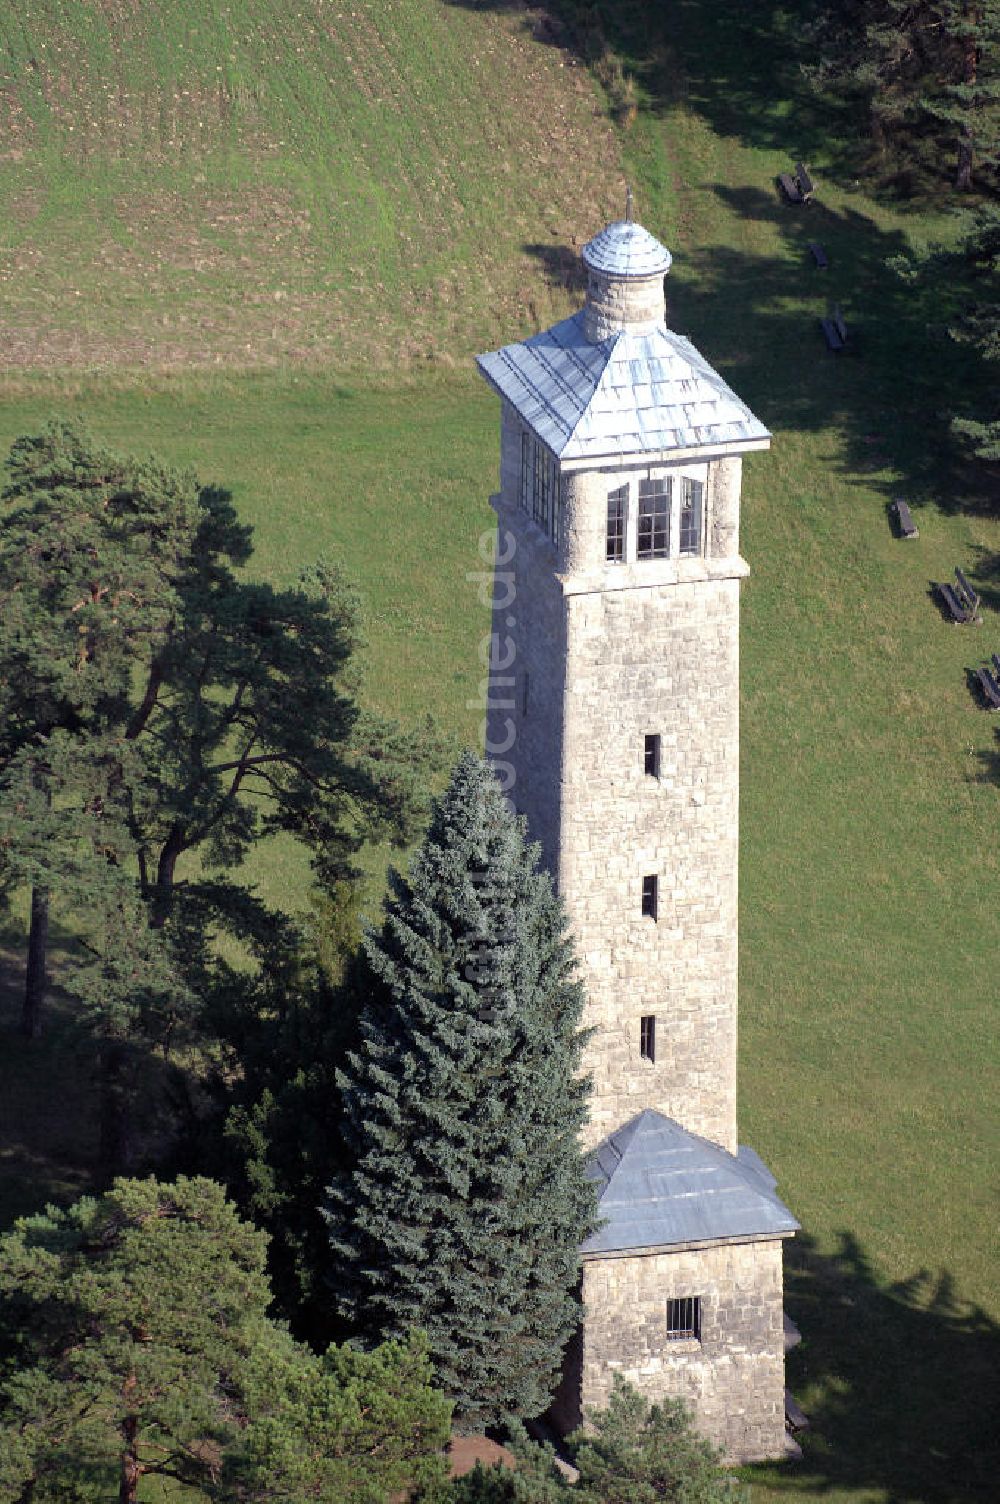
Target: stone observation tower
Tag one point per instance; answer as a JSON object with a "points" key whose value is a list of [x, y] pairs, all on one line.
{"points": [[614, 724]]}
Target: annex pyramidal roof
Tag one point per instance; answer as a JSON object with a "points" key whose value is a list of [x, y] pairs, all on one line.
{"points": [[636, 392], [658, 1185]]}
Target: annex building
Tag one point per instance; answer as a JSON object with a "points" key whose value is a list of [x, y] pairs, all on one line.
{"points": [[615, 728]]}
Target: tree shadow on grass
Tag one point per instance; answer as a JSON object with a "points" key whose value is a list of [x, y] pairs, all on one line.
{"points": [[560, 264], [742, 65], [757, 319], [899, 1381], [50, 1097]]}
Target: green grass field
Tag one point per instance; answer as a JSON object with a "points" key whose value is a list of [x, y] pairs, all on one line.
{"points": [[441, 222]]}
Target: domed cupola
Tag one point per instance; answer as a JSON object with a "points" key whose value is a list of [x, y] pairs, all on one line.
{"points": [[625, 270]]}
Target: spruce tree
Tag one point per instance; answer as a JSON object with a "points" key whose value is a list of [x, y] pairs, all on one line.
{"points": [[466, 1204]]}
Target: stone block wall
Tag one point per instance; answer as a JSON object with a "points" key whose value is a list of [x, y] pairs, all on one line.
{"points": [[595, 658], [659, 660], [615, 303], [733, 1379]]}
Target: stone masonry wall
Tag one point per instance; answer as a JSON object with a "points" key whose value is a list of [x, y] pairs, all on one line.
{"points": [[661, 660], [615, 303], [733, 1379], [595, 657]]}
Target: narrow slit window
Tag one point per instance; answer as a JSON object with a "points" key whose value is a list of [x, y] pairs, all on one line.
{"points": [[616, 525], [654, 519], [525, 489], [651, 756], [691, 516], [649, 896], [647, 1036], [684, 1319]]}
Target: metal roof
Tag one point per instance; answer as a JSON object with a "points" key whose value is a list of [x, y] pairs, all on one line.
{"points": [[659, 1185], [630, 394], [625, 249]]}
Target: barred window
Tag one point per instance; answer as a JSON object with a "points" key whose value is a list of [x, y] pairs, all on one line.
{"points": [[691, 515], [525, 488], [617, 501], [684, 1319], [654, 519], [649, 896], [647, 1036]]}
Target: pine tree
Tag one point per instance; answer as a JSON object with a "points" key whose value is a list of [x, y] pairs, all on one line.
{"points": [[467, 1202], [979, 328], [349, 1427], [126, 1322], [136, 1345], [151, 708], [918, 64]]}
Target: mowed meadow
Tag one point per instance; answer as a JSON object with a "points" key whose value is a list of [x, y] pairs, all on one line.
{"points": [[266, 239]]}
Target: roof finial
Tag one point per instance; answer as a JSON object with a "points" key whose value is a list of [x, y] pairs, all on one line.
{"points": [[628, 202]]}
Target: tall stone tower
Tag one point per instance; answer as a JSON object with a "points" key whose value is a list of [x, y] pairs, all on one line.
{"points": [[614, 724]]}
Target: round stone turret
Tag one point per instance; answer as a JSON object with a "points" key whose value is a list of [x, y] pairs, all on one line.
{"points": [[625, 266]]}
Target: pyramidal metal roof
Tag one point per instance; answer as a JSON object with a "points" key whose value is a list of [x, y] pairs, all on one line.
{"points": [[629, 394], [659, 1185], [625, 249]]}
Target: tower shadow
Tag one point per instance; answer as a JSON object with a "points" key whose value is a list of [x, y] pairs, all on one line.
{"points": [[899, 1381]]}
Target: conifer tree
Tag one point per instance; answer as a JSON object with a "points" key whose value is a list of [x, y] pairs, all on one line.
{"points": [[136, 1345], [979, 328], [467, 1202], [151, 708]]}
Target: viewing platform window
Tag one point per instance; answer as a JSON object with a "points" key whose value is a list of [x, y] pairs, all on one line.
{"points": [[540, 486], [654, 519], [692, 513], [617, 502]]}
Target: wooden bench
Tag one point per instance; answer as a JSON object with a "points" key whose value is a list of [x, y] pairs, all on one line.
{"points": [[991, 689], [904, 521], [819, 255], [795, 1418], [790, 188], [965, 592], [834, 330], [962, 612], [797, 186]]}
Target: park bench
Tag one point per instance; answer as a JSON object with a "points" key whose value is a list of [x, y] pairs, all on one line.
{"points": [[990, 687], [795, 1417], [790, 188], [834, 330], [804, 181], [904, 521], [965, 592], [962, 602], [797, 186], [819, 255]]}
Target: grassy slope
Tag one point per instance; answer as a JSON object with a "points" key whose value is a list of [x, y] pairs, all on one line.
{"points": [[869, 806], [264, 181]]}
